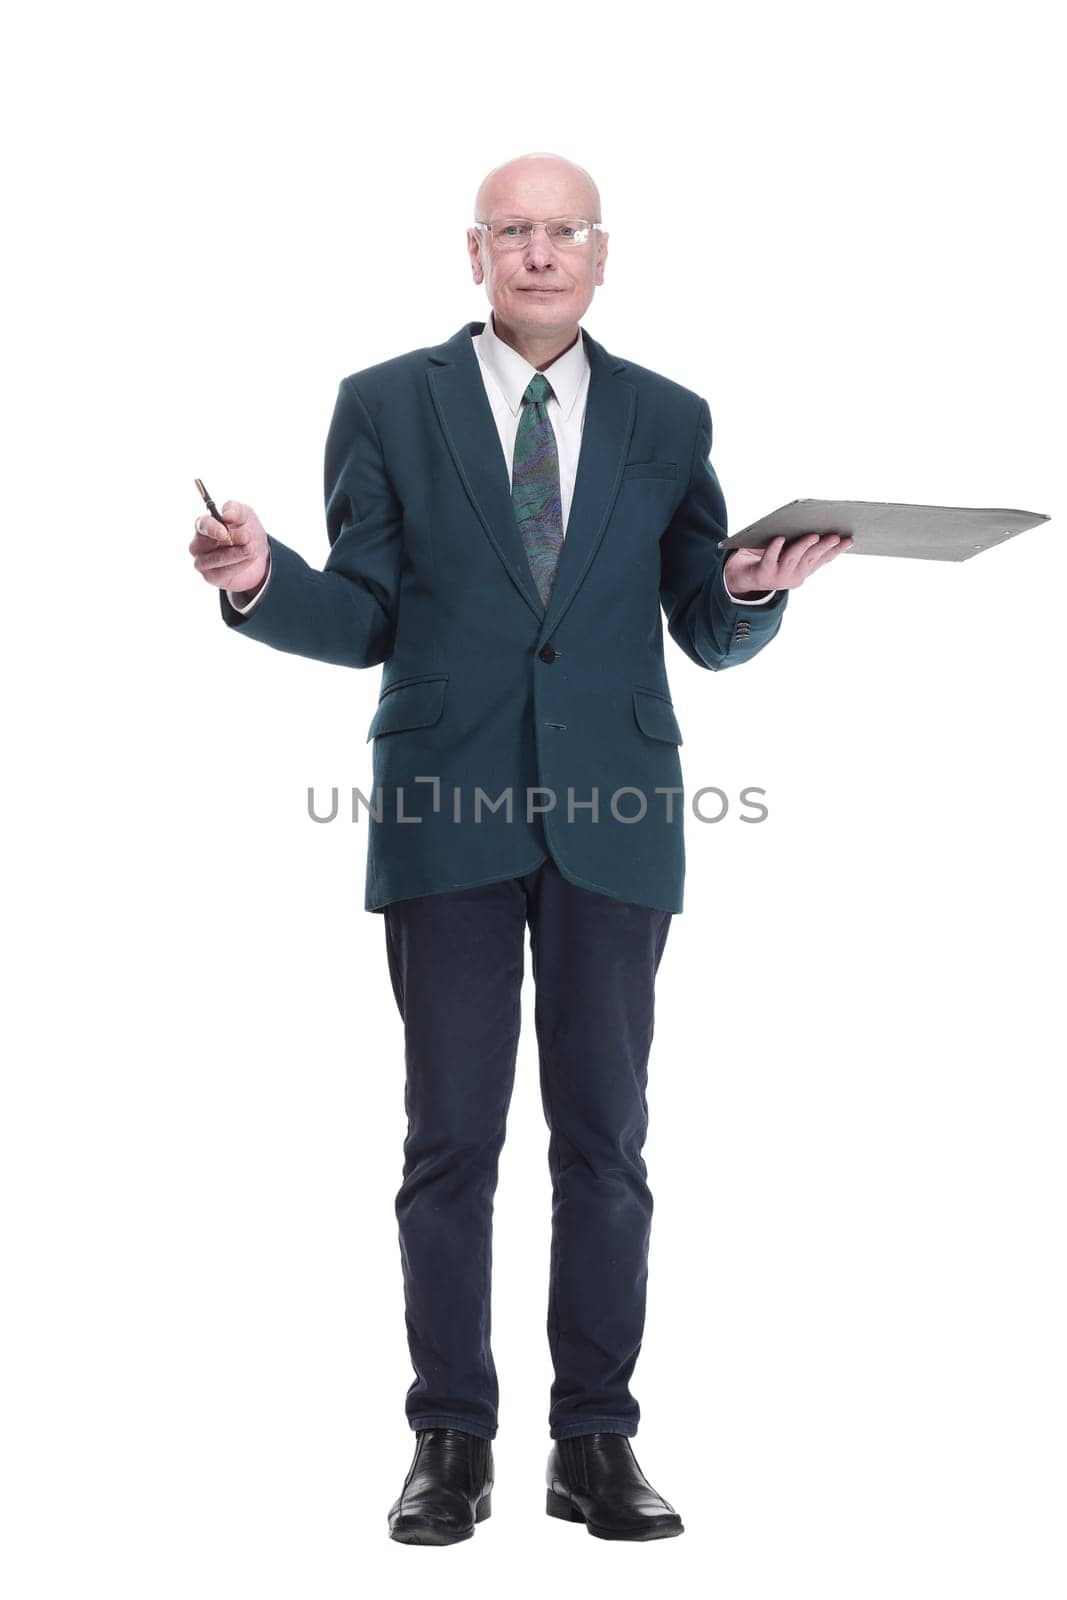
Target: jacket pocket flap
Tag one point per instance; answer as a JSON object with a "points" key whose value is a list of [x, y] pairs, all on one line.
{"points": [[650, 469], [410, 705], [655, 716]]}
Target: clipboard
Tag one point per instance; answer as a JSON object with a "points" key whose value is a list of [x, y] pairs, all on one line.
{"points": [[892, 527]]}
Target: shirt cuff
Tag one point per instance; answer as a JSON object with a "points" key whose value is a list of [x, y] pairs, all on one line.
{"points": [[231, 594]]}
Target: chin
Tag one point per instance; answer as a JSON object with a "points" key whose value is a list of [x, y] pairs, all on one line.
{"points": [[555, 304]]}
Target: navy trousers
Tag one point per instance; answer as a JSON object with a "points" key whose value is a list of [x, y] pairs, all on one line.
{"points": [[456, 962]]}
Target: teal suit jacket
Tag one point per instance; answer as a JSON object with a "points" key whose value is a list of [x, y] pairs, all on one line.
{"points": [[484, 691]]}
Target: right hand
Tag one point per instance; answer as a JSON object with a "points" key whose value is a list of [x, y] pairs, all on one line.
{"points": [[231, 554]]}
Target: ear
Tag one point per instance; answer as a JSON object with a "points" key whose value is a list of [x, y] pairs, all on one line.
{"points": [[601, 258], [474, 250]]}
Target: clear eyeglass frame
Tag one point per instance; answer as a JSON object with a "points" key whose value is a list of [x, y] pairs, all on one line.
{"points": [[582, 230]]}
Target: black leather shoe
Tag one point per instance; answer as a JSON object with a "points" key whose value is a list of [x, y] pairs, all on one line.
{"points": [[447, 1489], [594, 1478]]}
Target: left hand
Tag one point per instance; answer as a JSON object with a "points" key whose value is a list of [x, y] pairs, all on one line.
{"points": [[781, 566]]}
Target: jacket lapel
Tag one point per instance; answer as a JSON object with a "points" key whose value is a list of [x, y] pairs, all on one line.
{"points": [[462, 407], [609, 421]]}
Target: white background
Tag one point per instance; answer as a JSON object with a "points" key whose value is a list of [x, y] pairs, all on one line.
{"points": [[837, 223]]}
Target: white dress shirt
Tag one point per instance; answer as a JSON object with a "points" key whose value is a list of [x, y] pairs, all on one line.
{"points": [[506, 376]]}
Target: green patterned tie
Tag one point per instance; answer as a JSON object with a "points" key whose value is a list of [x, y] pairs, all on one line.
{"points": [[535, 486]]}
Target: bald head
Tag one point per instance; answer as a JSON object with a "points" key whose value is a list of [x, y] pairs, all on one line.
{"points": [[537, 185]]}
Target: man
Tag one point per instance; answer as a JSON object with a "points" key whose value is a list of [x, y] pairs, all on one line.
{"points": [[507, 513]]}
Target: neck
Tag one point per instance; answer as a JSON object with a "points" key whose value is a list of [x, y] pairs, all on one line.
{"points": [[540, 350]]}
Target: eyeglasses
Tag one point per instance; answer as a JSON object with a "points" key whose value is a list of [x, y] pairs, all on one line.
{"points": [[515, 233]]}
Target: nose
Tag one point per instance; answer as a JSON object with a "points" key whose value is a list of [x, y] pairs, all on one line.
{"points": [[540, 251]]}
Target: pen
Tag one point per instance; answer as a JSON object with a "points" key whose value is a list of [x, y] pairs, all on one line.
{"points": [[212, 507]]}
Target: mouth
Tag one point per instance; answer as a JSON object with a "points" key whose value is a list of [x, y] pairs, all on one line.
{"points": [[542, 291]]}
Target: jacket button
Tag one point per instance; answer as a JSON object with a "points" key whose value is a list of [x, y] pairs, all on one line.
{"points": [[547, 652]]}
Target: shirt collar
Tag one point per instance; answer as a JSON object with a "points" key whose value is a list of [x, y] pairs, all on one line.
{"points": [[513, 372]]}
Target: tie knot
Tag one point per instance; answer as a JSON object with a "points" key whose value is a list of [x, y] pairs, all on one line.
{"points": [[538, 388]]}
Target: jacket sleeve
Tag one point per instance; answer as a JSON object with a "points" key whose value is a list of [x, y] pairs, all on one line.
{"points": [[712, 628], [346, 613]]}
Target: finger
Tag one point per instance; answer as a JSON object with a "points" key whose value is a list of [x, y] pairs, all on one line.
{"points": [[211, 528], [769, 553], [828, 543], [220, 556], [752, 555], [795, 552], [829, 548], [821, 557], [237, 515], [209, 547], [804, 542], [845, 540], [209, 531], [835, 545]]}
